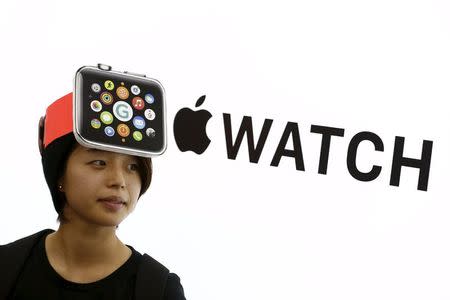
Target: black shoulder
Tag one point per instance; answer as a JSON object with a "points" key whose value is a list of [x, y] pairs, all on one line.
{"points": [[154, 281], [13, 257], [174, 289], [16, 252]]}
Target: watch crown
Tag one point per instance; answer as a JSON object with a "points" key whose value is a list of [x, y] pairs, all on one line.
{"points": [[104, 67]]}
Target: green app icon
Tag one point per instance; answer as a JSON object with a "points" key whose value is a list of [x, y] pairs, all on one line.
{"points": [[95, 123], [106, 117], [137, 136], [109, 85]]}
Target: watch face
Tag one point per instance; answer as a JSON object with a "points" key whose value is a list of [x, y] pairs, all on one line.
{"points": [[121, 112]]}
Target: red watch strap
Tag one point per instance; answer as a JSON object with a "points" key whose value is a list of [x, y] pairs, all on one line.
{"points": [[58, 119]]}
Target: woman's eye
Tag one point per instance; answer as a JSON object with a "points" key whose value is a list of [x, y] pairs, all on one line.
{"points": [[99, 162], [134, 167]]}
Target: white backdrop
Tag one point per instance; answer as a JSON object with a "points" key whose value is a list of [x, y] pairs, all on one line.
{"points": [[232, 229]]}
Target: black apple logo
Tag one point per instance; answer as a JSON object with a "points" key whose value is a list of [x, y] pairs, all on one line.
{"points": [[189, 128]]}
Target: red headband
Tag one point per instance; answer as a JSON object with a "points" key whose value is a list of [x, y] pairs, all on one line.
{"points": [[58, 121]]}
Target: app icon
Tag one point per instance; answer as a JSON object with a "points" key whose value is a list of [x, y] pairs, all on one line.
{"points": [[123, 111], [123, 130], [150, 132], [95, 87], [96, 106], [135, 90], [149, 98], [139, 122], [122, 92], [106, 117], [106, 98], [95, 123], [149, 114], [138, 103], [109, 85], [109, 131], [137, 136]]}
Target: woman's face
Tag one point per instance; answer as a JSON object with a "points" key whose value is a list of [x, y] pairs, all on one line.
{"points": [[101, 187]]}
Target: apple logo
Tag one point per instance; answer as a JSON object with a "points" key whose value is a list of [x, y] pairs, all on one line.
{"points": [[189, 128]]}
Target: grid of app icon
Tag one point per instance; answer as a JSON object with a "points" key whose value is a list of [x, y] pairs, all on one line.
{"points": [[122, 111]]}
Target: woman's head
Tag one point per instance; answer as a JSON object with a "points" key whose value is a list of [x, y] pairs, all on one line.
{"points": [[78, 177]]}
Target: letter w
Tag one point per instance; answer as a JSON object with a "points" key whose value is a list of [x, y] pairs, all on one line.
{"points": [[246, 127]]}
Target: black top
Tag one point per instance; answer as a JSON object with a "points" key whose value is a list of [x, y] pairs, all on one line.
{"points": [[39, 280]]}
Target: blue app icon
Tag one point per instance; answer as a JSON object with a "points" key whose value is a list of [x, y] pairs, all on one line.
{"points": [[139, 122], [149, 98], [109, 131]]}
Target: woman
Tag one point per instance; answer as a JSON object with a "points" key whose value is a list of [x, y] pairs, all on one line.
{"points": [[93, 191]]}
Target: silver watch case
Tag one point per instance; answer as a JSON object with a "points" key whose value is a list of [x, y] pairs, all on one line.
{"points": [[77, 119]]}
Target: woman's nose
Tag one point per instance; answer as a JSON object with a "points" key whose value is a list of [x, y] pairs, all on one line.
{"points": [[116, 177]]}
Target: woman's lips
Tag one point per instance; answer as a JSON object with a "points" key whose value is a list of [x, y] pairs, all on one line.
{"points": [[113, 203], [113, 199]]}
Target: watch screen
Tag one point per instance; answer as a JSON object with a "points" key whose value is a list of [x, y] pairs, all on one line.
{"points": [[121, 110]]}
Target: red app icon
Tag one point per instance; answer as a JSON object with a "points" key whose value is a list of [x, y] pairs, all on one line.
{"points": [[138, 103]]}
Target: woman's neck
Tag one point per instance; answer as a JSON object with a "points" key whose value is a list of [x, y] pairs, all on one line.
{"points": [[78, 246]]}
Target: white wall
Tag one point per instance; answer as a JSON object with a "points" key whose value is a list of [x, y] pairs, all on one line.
{"points": [[230, 228]]}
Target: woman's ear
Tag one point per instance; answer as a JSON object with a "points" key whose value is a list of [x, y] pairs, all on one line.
{"points": [[41, 134], [59, 184]]}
